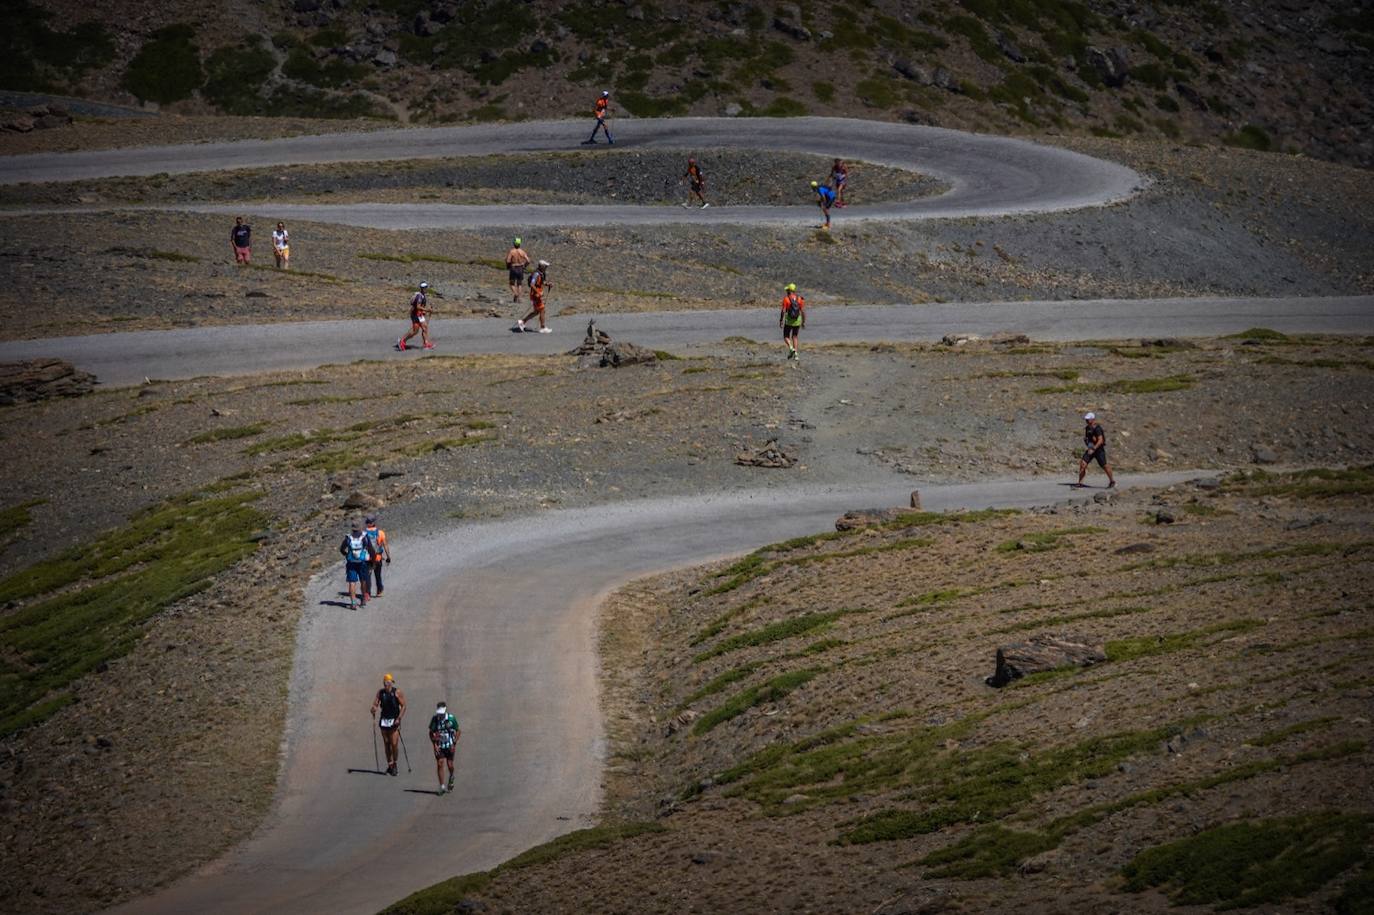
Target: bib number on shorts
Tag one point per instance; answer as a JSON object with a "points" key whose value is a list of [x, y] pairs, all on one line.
{"points": [[388, 722]]}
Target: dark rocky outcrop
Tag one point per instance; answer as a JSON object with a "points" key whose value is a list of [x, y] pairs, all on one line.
{"points": [[40, 379], [1040, 653]]}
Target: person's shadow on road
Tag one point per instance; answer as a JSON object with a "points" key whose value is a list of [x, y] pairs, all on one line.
{"points": [[421, 791], [367, 772]]}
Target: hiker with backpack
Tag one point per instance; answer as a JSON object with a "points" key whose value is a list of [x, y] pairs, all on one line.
{"points": [[381, 553], [419, 319], [792, 318], [391, 703], [358, 553], [443, 734]]}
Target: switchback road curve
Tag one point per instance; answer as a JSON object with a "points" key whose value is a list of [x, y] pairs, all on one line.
{"points": [[986, 175]]}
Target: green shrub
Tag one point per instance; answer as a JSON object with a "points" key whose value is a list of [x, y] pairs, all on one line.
{"points": [[877, 92], [1245, 864], [823, 91], [783, 107], [1250, 137], [30, 51], [978, 39], [649, 106], [235, 77], [167, 68], [1166, 103]]}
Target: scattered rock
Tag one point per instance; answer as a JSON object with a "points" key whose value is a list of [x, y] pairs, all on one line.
{"points": [[1298, 524], [770, 455], [1133, 548], [1262, 455], [40, 379], [943, 79], [1210, 484], [1191, 96], [361, 500], [680, 722], [916, 499], [1007, 339], [792, 799], [385, 58], [732, 110], [705, 857], [1111, 65], [1159, 455], [618, 355], [1041, 653], [256, 294], [1009, 48], [1046, 860], [793, 29], [1164, 516], [959, 339], [908, 70], [387, 473], [1170, 342], [869, 517]]}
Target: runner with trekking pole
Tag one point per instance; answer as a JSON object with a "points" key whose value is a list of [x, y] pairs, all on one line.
{"points": [[391, 702]]}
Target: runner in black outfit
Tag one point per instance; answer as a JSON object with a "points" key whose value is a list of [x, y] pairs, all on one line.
{"points": [[391, 702], [1095, 441]]}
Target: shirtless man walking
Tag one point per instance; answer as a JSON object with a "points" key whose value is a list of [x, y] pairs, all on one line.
{"points": [[516, 263]]}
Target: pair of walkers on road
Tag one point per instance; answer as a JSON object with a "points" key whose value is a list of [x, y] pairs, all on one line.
{"points": [[517, 262], [365, 551], [389, 710], [241, 241]]}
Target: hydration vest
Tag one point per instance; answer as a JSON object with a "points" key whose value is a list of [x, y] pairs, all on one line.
{"points": [[357, 548], [391, 706], [375, 535]]}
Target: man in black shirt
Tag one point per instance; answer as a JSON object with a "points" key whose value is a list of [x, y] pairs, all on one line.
{"points": [[1095, 442], [240, 238]]}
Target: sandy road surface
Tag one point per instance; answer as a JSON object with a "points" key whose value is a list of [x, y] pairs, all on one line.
{"points": [[499, 619], [128, 358]]}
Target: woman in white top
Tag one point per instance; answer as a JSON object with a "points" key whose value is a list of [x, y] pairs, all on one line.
{"points": [[281, 247]]}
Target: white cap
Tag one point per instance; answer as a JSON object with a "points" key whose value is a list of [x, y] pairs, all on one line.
{"points": [[606, 93], [543, 263], [1090, 416], [424, 285]]}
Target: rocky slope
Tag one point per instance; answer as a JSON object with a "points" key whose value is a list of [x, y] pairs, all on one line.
{"points": [[1271, 74]]}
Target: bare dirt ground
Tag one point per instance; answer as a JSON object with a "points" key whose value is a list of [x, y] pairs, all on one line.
{"points": [[182, 730], [1215, 222], [166, 129], [733, 177], [808, 730]]}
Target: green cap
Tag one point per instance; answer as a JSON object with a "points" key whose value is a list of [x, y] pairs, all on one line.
{"points": [[517, 243]]}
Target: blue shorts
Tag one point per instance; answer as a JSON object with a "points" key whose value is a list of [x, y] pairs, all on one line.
{"points": [[356, 571]]}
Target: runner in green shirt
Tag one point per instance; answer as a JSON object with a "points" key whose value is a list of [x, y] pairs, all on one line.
{"points": [[444, 733]]}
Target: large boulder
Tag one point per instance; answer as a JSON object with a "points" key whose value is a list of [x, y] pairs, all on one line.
{"points": [[1111, 65], [618, 355], [40, 379], [1040, 653]]}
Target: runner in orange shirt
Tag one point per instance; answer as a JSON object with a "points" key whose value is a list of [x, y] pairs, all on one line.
{"points": [[602, 113], [539, 285]]}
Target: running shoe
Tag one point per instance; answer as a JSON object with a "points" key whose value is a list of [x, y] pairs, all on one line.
{"points": [[401, 344], [1112, 485], [685, 205], [520, 326], [450, 781], [429, 346], [545, 330], [391, 769], [441, 789], [704, 205]]}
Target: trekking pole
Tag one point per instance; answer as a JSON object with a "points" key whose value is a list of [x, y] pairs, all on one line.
{"points": [[376, 760], [403, 746]]}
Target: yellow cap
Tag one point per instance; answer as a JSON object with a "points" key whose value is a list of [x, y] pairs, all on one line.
{"points": [[815, 184], [791, 287], [387, 678]]}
